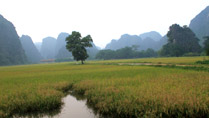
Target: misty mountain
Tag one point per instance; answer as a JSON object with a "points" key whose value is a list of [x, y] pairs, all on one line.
{"points": [[92, 51], [11, 51], [153, 35], [48, 48], [143, 41], [60, 42], [200, 24], [38, 45], [61, 51], [125, 40], [148, 43], [161, 42], [31, 51], [52, 48]]}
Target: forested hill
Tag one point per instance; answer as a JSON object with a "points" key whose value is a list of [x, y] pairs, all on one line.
{"points": [[11, 51], [31, 51], [200, 24]]}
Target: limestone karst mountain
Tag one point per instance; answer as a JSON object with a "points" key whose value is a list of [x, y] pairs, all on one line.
{"points": [[125, 40], [38, 45], [153, 35], [11, 50], [60, 42], [30, 49], [144, 41], [60, 49], [200, 24], [48, 48]]}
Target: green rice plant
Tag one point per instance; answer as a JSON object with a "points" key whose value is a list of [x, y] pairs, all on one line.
{"points": [[203, 62]]}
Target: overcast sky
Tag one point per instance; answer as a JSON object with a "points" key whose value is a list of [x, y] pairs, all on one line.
{"points": [[104, 20]]}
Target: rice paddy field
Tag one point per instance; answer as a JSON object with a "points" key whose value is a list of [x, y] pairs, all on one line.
{"points": [[165, 60], [115, 90]]}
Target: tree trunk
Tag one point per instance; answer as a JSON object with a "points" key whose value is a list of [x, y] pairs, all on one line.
{"points": [[81, 61]]}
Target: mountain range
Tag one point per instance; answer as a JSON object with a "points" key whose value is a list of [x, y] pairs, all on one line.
{"points": [[15, 50], [143, 41], [199, 25]]}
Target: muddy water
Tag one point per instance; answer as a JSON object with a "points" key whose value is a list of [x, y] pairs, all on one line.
{"points": [[74, 108]]}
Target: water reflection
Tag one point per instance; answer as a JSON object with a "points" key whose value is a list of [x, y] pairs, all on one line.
{"points": [[74, 108]]}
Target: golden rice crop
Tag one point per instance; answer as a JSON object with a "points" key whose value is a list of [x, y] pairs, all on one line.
{"points": [[124, 91]]}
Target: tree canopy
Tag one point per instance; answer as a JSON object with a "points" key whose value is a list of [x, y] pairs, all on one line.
{"points": [[181, 40], [76, 44], [125, 53]]}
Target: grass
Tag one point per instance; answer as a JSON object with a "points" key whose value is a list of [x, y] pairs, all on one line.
{"points": [[123, 91], [203, 62]]}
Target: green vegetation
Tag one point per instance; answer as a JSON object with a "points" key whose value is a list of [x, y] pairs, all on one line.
{"points": [[181, 40], [76, 44], [124, 91], [203, 62], [125, 53], [206, 45]]}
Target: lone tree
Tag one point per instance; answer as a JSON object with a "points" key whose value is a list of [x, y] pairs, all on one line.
{"points": [[206, 45], [76, 44]]}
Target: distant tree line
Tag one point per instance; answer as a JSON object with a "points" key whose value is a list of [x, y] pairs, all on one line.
{"points": [[125, 53]]}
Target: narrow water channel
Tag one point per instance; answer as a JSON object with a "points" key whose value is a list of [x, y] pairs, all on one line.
{"points": [[73, 108]]}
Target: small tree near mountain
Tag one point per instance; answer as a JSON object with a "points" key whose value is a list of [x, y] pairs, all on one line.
{"points": [[77, 45]]}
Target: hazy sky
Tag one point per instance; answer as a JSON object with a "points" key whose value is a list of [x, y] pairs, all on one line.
{"points": [[104, 20]]}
